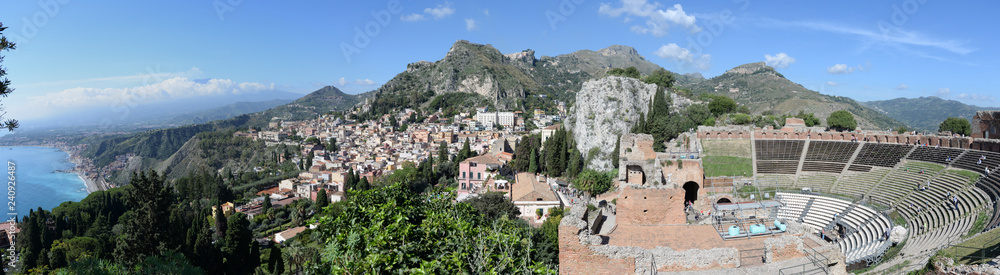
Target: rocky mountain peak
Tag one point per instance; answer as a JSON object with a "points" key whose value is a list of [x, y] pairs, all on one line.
{"points": [[695, 75], [749, 68], [620, 50]]}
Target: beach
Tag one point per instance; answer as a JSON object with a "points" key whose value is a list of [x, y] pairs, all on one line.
{"points": [[80, 169], [92, 183]]}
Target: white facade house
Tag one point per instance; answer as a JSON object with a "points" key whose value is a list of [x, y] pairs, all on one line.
{"points": [[506, 119]]}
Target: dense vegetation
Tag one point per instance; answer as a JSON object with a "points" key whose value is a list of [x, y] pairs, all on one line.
{"points": [[222, 145], [452, 104], [664, 125], [390, 228], [956, 125], [842, 121], [594, 182], [627, 72]]}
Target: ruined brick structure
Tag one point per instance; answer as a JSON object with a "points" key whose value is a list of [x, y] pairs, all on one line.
{"points": [[986, 124], [638, 160]]}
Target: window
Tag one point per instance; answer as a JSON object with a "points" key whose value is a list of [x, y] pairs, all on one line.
{"points": [[479, 176], [463, 175], [472, 164]]}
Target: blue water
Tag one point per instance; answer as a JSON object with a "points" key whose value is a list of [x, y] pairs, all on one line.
{"points": [[36, 180]]}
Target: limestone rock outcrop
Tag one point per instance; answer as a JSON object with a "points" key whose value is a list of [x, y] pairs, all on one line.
{"points": [[605, 109]]}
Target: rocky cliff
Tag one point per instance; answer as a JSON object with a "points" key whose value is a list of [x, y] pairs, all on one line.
{"points": [[606, 108], [512, 81]]}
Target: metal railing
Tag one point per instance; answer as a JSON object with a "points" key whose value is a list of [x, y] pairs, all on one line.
{"points": [[817, 262]]}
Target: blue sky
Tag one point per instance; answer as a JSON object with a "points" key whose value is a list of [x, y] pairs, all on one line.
{"points": [[82, 53]]}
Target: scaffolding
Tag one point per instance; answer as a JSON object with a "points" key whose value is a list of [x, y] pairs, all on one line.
{"points": [[746, 219]]}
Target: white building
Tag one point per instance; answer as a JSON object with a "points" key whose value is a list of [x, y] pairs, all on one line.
{"points": [[506, 119]]}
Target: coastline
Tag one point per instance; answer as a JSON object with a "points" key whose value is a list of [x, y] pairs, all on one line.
{"points": [[91, 185]]}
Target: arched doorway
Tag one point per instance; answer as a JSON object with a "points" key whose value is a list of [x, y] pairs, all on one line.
{"points": [[690, 191], [723, 200]]}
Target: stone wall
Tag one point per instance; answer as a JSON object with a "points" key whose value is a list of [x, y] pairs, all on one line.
{"points": [[879, 137], [637, 151], [650, 206], [575, 254]]}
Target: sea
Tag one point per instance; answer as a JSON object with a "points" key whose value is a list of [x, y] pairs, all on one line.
{"points": [[38, 181]]}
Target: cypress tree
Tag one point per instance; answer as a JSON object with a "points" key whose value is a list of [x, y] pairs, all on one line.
{"points": [[533, 167], [266, 206], [442, 153], [147, 232], [237, 244], [322, 200], [275, 262]]}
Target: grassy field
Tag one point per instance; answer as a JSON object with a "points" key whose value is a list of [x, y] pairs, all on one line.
{"points": [[973, 176], [988, 242], [729, 148], [719, 166], [745, 191], [980, 223]]}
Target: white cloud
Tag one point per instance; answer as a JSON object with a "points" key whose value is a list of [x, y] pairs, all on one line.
{"points": [[976, 97], [889, 36], [902, 87], [357, 82], [831, 83], [412, 17], [684, 57], [173, 88], [780, 60], [943, 93], [658, 20], [441, 11], [840, 69], [486, 12], [152, 75], [470, 24]]}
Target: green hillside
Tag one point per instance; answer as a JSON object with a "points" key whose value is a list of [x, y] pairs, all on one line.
{"points": [[763, 89], [516, 81], [924, 113]]}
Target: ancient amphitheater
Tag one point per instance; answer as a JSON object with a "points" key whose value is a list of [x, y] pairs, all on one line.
{"points": [[810, 202]]}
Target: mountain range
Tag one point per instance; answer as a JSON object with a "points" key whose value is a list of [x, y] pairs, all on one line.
{"points": [[517, 81], [520, 81], [764, 90], [925, 113]]}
